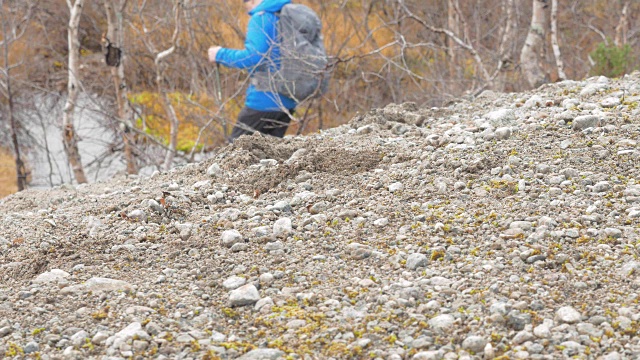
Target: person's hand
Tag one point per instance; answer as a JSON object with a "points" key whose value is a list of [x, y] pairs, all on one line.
{"points": [[213, 51]]}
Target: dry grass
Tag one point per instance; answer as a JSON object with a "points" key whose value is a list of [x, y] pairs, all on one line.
{"points": [[7, 174]]}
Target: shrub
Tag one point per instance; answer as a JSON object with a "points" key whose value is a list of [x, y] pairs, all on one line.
{"points": [[612, 61]]}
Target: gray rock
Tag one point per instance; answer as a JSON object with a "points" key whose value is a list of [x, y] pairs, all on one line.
{"points": [[612, 356], [503, 133], [262, 303], [568, 315], [502, 117], [442, 323], [359, 251], [231, 237], [297, 155], [542, 331], [517, 320], [592, 89], [238, 247], [184, 338], [153, 328], [214, 170], [138, 215], [80, 338], [474, 343], [100, 338], [382, 222], [295, 324], [124, 335], [363, 130], [429, 355], [31, 347], [416, 260], [613, 233], [155, 206], [5, 331], [234, 282], [282, 227], [262, 354], [585, 121], [70, 353], [602, 186], [533, 102], [244, 295], [610, 102], [395, 187], [267, 279], [522, 337], [55, 275]]}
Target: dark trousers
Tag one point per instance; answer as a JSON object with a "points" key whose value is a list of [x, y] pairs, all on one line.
{"points": [[274, 123]]}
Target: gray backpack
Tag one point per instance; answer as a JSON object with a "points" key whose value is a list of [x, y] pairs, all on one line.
{"points": [[303, 71]]}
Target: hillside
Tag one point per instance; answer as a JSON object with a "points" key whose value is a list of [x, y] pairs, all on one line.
{"points": [[504, 227]]}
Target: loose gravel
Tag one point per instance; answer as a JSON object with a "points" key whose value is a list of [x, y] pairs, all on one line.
{"points": [[506, 227]]}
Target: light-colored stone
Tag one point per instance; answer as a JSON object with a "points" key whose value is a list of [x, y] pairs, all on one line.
{"points": [[244, 295]]}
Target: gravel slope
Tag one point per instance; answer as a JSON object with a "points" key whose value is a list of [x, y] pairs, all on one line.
{"points": [[501, 228]]}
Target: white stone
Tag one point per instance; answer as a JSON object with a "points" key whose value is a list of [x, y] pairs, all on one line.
{"points": [[568, 315], [55, 275], [231, 237], [282, 227], [395, 187], [234, 282], [442, 323], [214, 170], [244, 295]]}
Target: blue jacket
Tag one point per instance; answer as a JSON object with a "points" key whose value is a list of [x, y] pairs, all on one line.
{"points": [[261, 33]]}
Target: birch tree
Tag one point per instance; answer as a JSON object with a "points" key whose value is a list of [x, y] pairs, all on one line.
{"points": [[623, 26], [69, 135], [116, 37], [531, 57], [12, 31], [554, 40], [453, 23], [507, 44]]}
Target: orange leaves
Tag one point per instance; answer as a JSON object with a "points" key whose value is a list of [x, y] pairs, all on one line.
{"points": [[193, 111], [8, 179]]}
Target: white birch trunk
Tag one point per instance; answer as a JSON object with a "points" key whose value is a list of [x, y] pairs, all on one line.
{"points": [[69, 135], [164, 96], [554, 40], [623, 26], [530, 57], [507, 41], [115, 33], [454, 26]]}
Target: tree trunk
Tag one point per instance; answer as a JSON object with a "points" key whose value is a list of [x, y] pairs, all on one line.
{"points": [[162, 91], [69, 136], [506, 62], [21, 172], [531, 56], [554, 40], [623, 26], [453, 23], [116, 34]]}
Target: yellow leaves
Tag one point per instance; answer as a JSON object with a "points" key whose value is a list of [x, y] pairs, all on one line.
{"points": [[8, 179], [193, 111]]}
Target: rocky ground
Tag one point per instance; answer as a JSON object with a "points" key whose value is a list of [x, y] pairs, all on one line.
{"points": [[503, 228]]}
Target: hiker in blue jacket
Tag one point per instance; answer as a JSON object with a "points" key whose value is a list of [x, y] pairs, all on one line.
{"points": [[267, 112]]}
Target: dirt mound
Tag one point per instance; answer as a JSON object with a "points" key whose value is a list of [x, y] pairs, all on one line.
{"points": [[507, 225]]}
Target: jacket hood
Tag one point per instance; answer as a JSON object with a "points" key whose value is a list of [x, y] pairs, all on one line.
{"points": [[269, 6]]}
